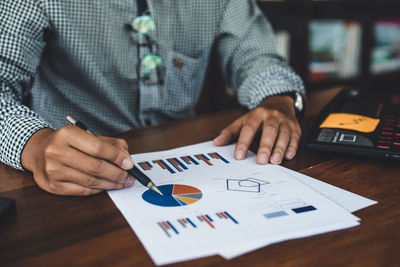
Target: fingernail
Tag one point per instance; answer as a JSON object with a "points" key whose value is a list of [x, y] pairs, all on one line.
{"points": [[239, 154], [263, 158], [276, 158], [129, 181], [218, 139], [127, 152], [127, 163], [289, 154]]}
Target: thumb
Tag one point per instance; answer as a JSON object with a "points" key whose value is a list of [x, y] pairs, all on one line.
{"points": [[227, 134]]}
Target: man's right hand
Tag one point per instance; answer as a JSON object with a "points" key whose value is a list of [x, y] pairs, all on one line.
{"points": [[70, 161]]}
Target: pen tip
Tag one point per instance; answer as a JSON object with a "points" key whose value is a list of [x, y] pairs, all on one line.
{"points": [[157, 190]]}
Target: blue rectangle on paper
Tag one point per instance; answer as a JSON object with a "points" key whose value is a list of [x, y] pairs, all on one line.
{"points": [[148, 163], [195, 162], [180, 163], [275, 214], [230, 217], [173, 228], [187, 219], [304, 209], [167, 166], [205, 157], [222, 158]]}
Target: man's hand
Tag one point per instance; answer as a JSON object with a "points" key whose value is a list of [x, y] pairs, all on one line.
{"points": [[276, 117], [70, 161]]}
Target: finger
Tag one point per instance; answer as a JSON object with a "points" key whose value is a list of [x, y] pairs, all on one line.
{"points": [[118, 142], [93, 167], [70, 175], [71, 189], [247, 133], [281, 144], [97, 147], [229, 133], [268, 137], [293, 144]]}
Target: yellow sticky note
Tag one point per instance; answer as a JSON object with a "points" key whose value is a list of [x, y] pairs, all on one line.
{"points": [[348, 121]]}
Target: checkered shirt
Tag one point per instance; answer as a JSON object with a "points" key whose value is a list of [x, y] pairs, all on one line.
{"points": [[64, 57]]}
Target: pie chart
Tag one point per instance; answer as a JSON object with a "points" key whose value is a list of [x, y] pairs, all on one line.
{"points": [[175, 195]]}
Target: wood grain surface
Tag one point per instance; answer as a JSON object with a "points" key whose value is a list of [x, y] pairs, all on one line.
{"points": [[49, 230]]}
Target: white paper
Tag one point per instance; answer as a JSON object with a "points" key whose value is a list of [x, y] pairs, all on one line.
{"points": [[266, 204]]}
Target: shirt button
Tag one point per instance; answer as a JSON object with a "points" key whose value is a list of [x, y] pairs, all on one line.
{"points": [[178, 63], [147, 122]]}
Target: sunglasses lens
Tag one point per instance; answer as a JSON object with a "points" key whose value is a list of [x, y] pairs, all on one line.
{"points": [[149, 65], [143, 24]]}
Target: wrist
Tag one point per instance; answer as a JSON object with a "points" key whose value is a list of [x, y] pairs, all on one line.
{"points": [[31, 150]]}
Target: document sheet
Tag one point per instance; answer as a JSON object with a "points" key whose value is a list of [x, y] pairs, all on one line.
{"points": [[214, 204]]}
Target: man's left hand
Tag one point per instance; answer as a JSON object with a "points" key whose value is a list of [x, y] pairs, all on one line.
{"points": [[281, 132]]}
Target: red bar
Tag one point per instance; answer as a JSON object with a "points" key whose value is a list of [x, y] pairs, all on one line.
{"points": [[398, 134], [386, 133], [386, 147], [184, 221], [165, 225], [207, 221], [383, 137], [174, 161], [223, 215], [205, 160], [161, 164], [397, 144], [388, 129], [147, 166], [215, 155]]}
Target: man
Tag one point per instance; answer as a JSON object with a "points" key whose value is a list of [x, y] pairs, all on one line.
{"points": [[78, 58]]}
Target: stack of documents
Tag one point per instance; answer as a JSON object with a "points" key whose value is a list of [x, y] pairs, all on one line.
{"points": [[214, 204]]}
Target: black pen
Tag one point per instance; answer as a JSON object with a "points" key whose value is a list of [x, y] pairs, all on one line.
{"points": [[135, 172]]}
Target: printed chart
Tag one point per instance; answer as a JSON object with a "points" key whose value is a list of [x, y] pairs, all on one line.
{"points": [[181, 164], [170, 228], [175, 195]]}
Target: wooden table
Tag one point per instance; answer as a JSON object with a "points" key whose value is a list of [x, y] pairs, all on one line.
{"points": [[49, 230]]}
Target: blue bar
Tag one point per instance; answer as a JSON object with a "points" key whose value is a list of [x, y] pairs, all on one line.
{"points": [[168, 167], [208, 217], [205, 157], [230, 217], [174, 165], [304, 209], [275, 214], [180, 163], [222, 158], [148, 163], [195, 162], [173, 228], [187, 219]]}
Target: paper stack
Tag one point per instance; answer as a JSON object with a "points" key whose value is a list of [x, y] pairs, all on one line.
{"points": [[214, 204]]}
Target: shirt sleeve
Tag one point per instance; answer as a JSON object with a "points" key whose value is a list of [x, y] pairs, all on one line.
{"points": [[21, 44], [248, 56]]}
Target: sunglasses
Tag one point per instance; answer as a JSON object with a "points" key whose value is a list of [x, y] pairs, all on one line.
{"points": [[150, 68]]}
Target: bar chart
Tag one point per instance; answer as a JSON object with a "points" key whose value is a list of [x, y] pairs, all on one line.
{"points": [[183, 224], [181, 164]]}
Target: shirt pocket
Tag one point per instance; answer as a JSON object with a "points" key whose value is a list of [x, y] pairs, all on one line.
{"points": [[183, 82]]}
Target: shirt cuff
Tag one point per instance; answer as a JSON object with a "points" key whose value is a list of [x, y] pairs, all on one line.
{"points": [[17, 130], [268, 83]]}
